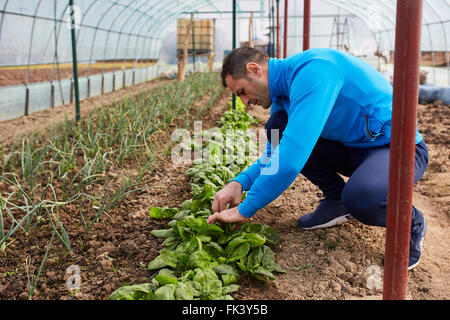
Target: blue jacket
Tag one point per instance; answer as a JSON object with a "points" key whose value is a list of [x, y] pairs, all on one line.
{"points": [[326, 93]]}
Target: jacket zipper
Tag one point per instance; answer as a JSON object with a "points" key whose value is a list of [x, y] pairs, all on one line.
{"points": [[369, 133]]}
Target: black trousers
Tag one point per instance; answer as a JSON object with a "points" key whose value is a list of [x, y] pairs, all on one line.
{"points": [[365, 192]]}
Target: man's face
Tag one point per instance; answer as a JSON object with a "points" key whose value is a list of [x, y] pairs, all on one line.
{"points": [[254, 91]]}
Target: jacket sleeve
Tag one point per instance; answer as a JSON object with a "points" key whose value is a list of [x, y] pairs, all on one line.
{"points": [[313, 93], [247, 177]]}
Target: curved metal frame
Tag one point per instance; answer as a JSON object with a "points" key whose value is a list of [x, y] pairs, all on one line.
{"points": [[149, 24]]}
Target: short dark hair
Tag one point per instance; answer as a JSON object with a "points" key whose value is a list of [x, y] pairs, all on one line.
{"points": [[235, 63]]}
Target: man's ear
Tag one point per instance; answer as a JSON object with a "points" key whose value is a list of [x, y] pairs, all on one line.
{"points": [[254, 70]]}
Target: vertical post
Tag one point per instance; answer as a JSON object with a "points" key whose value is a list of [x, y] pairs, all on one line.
{"points": [[272, 31], [27, 100], [52, 94], [278, 29], [182, 60], [193, 43], [401, 168], [250, 31], [306, 24], [71, 91], [285, 28], [75, 60], [233, 99]]}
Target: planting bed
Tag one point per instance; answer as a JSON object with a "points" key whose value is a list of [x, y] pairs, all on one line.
{"points": [[320, 264]]}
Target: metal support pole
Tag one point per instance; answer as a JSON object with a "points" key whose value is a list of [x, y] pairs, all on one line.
{"points": [[52, 95], [193, 43], [306, 24], [285, 28], [401, 167], [278, 29], [27, 100], [233, 100], [272, 31], [75, 60]]}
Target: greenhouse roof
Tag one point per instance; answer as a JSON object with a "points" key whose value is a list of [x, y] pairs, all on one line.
{"points": [[114, 29]]}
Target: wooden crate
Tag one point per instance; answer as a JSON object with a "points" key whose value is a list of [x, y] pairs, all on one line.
{"points": [[203, 35]]}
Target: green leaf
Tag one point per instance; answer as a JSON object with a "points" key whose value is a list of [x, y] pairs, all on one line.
{"points": [[255, 239], [134, 292], [170, 241], [198, 225], [165, 233], [156, 213], [249, 227], [166, 292], [214, 250], [228, 279], [162, 213], [198, 205], [230, 288], [157, 263], [263, 272], [242, 264], [233, 244], [227, 269], [194, 287], [186, 205], [203, 193], [215, 230], [224, 297], [204, 238], [166, 276], [240, 251], [182, 215], [187, 275], [200, 259], [169, 257], [211, 290], [272, 266], [254, 258], [182, 292], [182, 230], [272, 237], [202, 276]]}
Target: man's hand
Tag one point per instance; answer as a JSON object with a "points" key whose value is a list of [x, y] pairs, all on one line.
{"points": [[230, 194], [230, 215]]}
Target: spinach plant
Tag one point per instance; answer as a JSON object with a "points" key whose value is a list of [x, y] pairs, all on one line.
{"points": [[201, 260]]}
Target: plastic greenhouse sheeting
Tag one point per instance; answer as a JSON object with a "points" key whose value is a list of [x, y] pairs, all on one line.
{"points": [[118, 35], [134, 29]]}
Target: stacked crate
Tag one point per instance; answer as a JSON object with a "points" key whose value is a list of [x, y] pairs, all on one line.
{"points": [[203, 36]]}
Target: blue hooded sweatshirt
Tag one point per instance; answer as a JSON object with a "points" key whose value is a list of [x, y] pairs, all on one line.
{"points": [[328, 94]]}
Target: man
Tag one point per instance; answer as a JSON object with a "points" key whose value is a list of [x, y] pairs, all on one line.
{"points": [[333, 112]]}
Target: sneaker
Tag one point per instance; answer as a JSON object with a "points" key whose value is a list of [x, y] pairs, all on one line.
{"points": [[415, 245], [329, 213]]}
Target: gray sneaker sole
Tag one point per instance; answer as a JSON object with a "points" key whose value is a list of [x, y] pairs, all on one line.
{"points": [[331, 223]]}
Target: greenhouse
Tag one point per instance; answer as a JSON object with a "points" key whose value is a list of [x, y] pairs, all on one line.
{"points": [[117, 177]]}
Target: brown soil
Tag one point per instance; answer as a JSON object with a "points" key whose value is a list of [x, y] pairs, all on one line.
{"points": [[17, 76], [321, 264]]}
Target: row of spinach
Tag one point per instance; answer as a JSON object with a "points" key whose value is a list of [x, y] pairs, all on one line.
{"points": [[200, 260]]}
